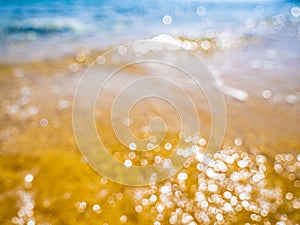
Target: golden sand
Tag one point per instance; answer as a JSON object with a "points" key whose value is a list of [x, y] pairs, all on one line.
{"points": [[44, 179]]}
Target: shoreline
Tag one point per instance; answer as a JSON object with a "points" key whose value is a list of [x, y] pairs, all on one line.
{"points": [[37, 141]]}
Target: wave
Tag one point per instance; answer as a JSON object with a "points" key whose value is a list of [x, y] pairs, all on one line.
{"points": [[46, 26]]}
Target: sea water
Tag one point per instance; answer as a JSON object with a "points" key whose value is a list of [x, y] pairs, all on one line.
{"points": [[43, 29]]}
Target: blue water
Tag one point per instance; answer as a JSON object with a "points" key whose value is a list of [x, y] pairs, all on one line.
{"points": [[62, 26]]}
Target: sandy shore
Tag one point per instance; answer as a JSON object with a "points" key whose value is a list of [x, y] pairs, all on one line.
{"points": [[36, 138]]}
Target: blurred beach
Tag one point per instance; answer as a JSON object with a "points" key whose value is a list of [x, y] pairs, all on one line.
{"points": [[252, 49]]}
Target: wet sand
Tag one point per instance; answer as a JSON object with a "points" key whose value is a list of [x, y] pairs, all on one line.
{"points": [[36, 138]]}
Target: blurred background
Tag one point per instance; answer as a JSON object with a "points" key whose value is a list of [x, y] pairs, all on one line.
{"points": [[252, 48]]}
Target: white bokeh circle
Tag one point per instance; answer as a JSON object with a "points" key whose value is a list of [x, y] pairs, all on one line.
{"points": [[96, 77]]}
